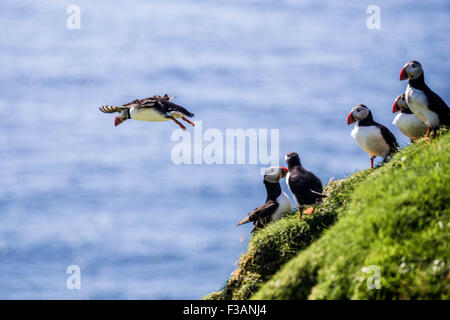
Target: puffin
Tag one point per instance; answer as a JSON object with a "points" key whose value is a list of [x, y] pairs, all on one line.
{"points": [[372, 137], [156, 108], [277, 202], [406, 120], [423, 102], [305, 186]]}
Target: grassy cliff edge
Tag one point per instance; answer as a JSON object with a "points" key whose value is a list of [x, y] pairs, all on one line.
{"points": [[390, 224]]}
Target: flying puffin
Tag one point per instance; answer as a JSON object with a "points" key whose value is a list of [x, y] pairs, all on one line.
{"points": [[422, 101], [156, 108], [277, 202], [373, 138], [406, 121], [305, 186]]}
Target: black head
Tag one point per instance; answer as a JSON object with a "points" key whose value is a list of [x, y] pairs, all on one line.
{"points": [[292, 159]]}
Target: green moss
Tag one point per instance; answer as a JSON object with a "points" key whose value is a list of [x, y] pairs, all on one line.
{"points": [[397, 221], [216, 295], [278, 242]]}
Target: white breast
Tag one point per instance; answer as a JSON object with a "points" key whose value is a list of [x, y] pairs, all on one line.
{"points": [[287, 182], [146, 114], [284, 206], [410, 125], [370, 140], [418, 103]]}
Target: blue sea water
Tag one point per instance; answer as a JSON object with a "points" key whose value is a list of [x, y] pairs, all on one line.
{"points": [[75, 190]]}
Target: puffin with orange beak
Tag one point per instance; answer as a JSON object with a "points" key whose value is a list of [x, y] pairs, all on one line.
{"points": [[156, 108], [423, 102], [277, 202], [406, 121], [372, 137]]}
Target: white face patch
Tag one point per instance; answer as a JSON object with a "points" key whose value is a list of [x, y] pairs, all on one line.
{"points": [[285, 158], [272, 174], [414, 70], [122, 114], [401, 103], [360, 112]]}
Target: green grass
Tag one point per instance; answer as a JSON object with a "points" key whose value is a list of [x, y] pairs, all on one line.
{"points": [[395, 218], [398, 221], [278, 242]]}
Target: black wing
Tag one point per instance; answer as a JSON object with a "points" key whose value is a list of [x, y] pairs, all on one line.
{"points": [[261, 212], [146, 102], [168, 107], [388, 137], [306, 186], [111, 109], [156, 100], [162, 103], [138, 103], [436, 104]]}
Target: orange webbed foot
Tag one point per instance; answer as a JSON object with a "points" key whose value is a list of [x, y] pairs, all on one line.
{"points": [[188, 121], [179, 124], [427, 136], [309, 210]]}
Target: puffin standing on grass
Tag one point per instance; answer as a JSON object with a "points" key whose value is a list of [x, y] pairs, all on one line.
{"points": [[305, 186], [156, 108], [406, 120], [277, 202], [422, 101], [373, 138]]}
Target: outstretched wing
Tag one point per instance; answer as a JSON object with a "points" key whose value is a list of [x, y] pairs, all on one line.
{"points": [[261, 212], [148, 102], [112, 109], [138, 103], [170, 107]]}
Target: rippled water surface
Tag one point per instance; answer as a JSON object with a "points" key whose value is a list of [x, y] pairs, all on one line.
{"points": [[76, 190]]}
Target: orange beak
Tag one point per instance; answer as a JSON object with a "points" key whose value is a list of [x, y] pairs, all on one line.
{"points": [[284, 171], [117, 121], [395, 108], [403, 74], [350, 118]]}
